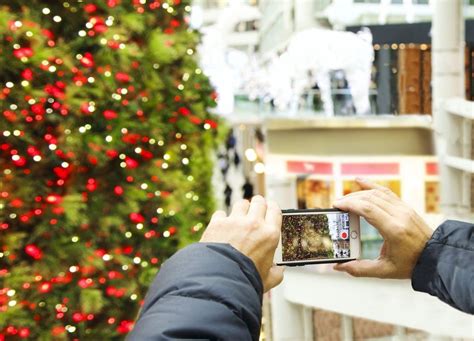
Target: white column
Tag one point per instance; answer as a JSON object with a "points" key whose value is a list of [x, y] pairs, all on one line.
{"points": [[448, 82]]}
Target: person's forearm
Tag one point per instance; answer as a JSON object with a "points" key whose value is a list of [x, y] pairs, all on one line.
{"points": [[445, 268], [205, 291]]}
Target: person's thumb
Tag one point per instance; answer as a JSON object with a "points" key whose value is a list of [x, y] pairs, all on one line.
{"points": [[275, 277], [364, 268]]}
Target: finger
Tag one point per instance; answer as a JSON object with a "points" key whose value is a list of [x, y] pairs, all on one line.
{"points": [[364, 268], [275, 277], [273, 215], [218, 215], [258, 208], [377, 198], [240, 208], [367, 209], [367, 185]]}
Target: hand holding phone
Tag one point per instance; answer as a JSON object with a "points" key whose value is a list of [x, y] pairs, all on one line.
{"points": [[318, 236]]}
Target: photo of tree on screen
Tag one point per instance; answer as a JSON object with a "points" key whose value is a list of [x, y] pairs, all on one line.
{"points": [[315, 236]]}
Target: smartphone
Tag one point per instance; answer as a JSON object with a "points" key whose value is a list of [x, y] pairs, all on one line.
{"points": [[316, 236]]}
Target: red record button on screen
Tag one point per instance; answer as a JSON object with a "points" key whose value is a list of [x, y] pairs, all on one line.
{"points": [[344, 235]]}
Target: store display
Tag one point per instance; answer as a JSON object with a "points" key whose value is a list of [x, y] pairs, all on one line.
{"points": [[432, 197], [314, 193], [350, 186]]}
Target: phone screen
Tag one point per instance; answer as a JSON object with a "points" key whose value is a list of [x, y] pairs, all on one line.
{"points": [[312, 236]]}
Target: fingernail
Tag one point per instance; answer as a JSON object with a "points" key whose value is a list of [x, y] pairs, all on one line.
{"points": [[361, 179]]}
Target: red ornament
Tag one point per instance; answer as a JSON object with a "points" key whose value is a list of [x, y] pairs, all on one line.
{"points": [[99, 25], [87, 60], [33, 251], [147, 155], [110, 114], [127, 249], [33, 151], [184, 111], [11, 330], [131, 163], [131, 138], [62, 173], [10, 115], [118, 190], [136, 218], [91, 185], [111, 154], [172, 230], [17, 203], [23, 52], [85, 283], [38, 109], [174, 23], [47, 33], [78, 317], [27, 74], [125, 327], [19, 161], [90, 8], [122, 77], [112, 3], [111, 291]]}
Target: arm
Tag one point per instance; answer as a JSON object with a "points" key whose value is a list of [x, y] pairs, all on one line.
{"points": [[440, 263], [445, 268], [206, 291], [212, 290]]}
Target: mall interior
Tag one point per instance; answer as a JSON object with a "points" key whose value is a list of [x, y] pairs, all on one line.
{"points": [[413, 135]]}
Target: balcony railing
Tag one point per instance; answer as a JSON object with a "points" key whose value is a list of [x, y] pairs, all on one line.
{"points": [[310, 104]]}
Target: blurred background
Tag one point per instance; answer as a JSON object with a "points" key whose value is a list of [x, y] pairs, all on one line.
{"points": [[319, 92], [125, 123]]}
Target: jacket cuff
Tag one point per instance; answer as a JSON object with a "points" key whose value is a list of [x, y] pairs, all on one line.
{"points": [[425, 270]]}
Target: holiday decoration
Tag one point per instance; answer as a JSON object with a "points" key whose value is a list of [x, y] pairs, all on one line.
{"points": [[288, 74], [105, 168]]}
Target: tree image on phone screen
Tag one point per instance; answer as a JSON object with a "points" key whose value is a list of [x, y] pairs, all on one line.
{"points": [[315, 236]]}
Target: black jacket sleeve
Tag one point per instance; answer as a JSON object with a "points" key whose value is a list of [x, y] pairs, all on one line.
{"points": [[205, 291], [446, 266]]}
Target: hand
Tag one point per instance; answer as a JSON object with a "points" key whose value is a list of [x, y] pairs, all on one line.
{"points": [[405, 233], [253, 229]]}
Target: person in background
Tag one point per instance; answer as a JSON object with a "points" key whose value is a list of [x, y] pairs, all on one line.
{"points": [[213, 289], [247, 189]]}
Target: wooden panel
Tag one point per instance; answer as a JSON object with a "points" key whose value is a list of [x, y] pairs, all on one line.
{"points": [[409, 72], [426, 98]]}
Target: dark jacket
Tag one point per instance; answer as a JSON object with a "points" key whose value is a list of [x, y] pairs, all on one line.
{"points": [[205, 291], [445, 269]]}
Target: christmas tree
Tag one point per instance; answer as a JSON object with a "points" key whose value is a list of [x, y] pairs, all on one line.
{"points": [[105, 169]]}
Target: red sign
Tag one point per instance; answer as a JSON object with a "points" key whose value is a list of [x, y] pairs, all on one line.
{"points": [[432, 168], [309, 167], [370, 168]]}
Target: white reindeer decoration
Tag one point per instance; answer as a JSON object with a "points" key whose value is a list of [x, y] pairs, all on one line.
{"points": [[310, 57]]}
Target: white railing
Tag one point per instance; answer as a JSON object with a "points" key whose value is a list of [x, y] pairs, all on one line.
{"points": [[456, 163]]}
